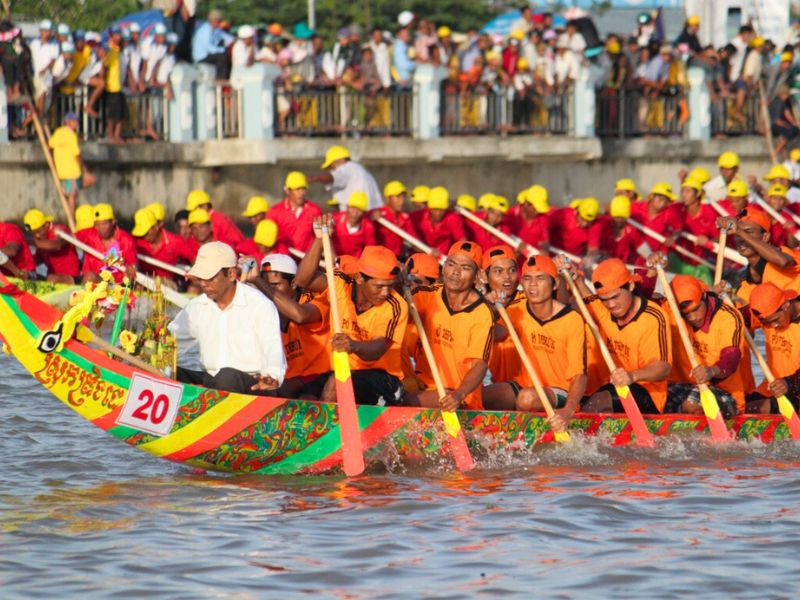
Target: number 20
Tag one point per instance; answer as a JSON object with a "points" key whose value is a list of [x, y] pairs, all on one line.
{"points": [[157, 406]]}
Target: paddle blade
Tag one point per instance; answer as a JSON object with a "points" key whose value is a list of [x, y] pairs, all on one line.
{"points": [[458, 443], [562, 436], [352, 451], [719, 432], [640, 430], [792, 421]]}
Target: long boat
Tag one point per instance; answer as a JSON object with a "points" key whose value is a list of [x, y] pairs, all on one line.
{"points": [[222, 431], [57, 294]]}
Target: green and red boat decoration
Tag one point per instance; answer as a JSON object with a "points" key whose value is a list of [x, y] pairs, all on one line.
{"points": [[229, 432]]}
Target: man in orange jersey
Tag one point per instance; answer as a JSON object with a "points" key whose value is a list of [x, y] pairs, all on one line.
{"points": [[459, 323], [224, 229], [395, 195], [107, 237], [153, 240], [352, 230], [715, 329], [374, 318], [553, 335], [422, 269], [439, 226], [766, 263], [778, 311], [637, 333]]}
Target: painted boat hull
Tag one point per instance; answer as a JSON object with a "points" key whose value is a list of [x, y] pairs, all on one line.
{"points": [[239, 433]]}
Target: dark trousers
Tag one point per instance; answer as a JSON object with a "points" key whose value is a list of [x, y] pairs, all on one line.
{"points": [[227, 379], [220, 63]]}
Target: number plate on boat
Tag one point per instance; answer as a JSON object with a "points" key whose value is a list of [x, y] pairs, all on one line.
{"points": [[151, 405]]}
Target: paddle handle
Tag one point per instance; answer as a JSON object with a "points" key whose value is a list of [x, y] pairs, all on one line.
{"points": [[426, 345], [162, 265], [721, 247], [85, 333], [327, 250], [601, 343], [730, 253], [37, 125], [660, 238], [676, 311], [402, 233]]}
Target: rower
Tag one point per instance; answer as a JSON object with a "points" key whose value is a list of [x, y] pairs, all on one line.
{"points": [[182, 227], [15, 256], [256, 210], [459, 323], [224, 228], [659, 214], [84, 218], [421, 269], [778, 312], [626, 187], [780, 234], [529, 220], [155, 241], [638, 335], [778, 175], [495, 216], [728, 163], [698, 218], [766, 262], [202, 229], [59, 257], [373, 321], [474, 231], [264, 241], [554, 337], [578, 230], [105, 237], [346, 176], [234, 326], [715, 329], [626, 239], [736, 199], [352, 231], [295, 214], [438, 226], [395, 195], [159, 212]]}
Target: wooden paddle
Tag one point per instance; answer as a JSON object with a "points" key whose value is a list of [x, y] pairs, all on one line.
{"points": [[458, 444], [643, 435], [162, 265], [349, 430], [730, 253], [401, 233], [716, 423], [84, 334], [561, 436], [660, 238], [723, 240]]}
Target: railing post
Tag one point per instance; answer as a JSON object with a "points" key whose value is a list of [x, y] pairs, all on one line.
{"points": [[583, 102], [256, 83], [182, 106], [699, 105], [428, 100], [3, 111], [205, 101]]}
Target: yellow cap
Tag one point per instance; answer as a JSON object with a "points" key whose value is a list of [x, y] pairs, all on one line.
{"points": [[420, 194], [662, 188], [468, 202], [358, 200], [699, 174], [158, 210], [103, 212], [728, 160], [199, 216], [394, 188], [625, 185], [266, 233], [787, 57], [522, 63], [518, 34], [776, 189], [693, 183], [757, 42], [522, 196], [620, 206], [332, 202], [255, 206], [84, 217], [485, 200], [537, 196], [588, 209], [777, 172], [794, 154], [197, 198], [143, 221], [444, 31], [492, 55], [439, 198], [35, 219], [335, 153], [693, 20], [738, 189], [499, 203], [612, 47], [295, 181]]}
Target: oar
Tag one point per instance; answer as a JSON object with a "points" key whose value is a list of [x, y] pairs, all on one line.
{"points": [[147, 282], [84, 334], [401, 233], [561, 436], [643, 435], [723, 240], [162, 265], [730, 253], [352, 452], [660, 238], [719, 432], [779, 217], [458, 444]]}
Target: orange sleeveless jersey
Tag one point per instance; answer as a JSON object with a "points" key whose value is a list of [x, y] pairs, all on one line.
{"points": [[457, 339], [645, 339], [306, 345], [505, 363], [783, 352], [556, 347], [786, 279]]}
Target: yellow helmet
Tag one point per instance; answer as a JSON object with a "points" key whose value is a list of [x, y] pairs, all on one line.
{"points": [[420, 194], [358, 200], [728, 160], [693, 183], [776, 189], [103, 212], [620, 207], [625, 185], [485, 200], [199, 216], [662, 188], [738, 189], [777, 172], [143, 221], [295, 181], [266, 233], [394, 188], [537, 196], [35, 219], [197, 198], [439, 198], [468, 202], [255, 206], [588, 209], [699, 174], [334, 153], [158, 210], [499, 203], [84, 217]]}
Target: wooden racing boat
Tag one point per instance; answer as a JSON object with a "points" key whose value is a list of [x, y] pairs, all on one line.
{"points": [[55, 294], [230, 432]]}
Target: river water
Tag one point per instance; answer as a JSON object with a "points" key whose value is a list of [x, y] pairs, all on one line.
{"points": [[84, 516]]}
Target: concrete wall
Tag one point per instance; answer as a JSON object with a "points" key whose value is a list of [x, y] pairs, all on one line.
{"points": [[232, 170]]}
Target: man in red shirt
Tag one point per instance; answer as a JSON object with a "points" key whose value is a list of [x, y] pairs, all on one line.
{"points": [[626, 239], [224, 228], [659, 214], [529, 220], [578, 230], [106, 237], [295, 214], [153, 240], [698, 218], [395, 194], [438, 226], [495, 216], [257, 207], [15, 256], [58, 256], [352, 232], [264, 241], [465, 201]]}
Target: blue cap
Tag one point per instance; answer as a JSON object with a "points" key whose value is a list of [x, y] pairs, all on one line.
{"points": [[115, 29], [71, 116], [79, 34]]}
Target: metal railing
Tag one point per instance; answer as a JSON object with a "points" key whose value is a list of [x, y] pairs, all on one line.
{"points": [[506, 111], [629, 113], [228, 112], [726, 120], [321, 112]]}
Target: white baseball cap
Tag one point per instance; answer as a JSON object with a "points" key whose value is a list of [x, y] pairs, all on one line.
{"points": [[134, 28], [405, 18], [46, 25], [281, 263], [62, 29], [245, 32], [211, 259]]}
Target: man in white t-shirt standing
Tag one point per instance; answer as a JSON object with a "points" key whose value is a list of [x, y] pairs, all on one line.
{"points": [[243, 53], [44, 53], [346, 177]]}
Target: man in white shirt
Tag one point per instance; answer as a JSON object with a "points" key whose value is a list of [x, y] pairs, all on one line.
{"points": [[235, 326], [346, 177], [243, 53], [44, 53]]}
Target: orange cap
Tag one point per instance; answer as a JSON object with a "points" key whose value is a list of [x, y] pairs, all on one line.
{"points": [[468, 249], [688, 291], [495, 253], [767, 298], [612, 274], [757, 216], [541, 264], [347, 264], [378, 262], [423, 265]]}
